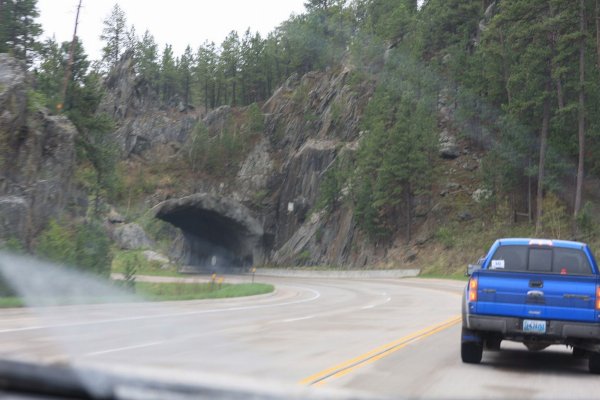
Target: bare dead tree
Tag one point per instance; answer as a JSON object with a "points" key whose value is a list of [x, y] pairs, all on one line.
{"points": [[71, 56]]}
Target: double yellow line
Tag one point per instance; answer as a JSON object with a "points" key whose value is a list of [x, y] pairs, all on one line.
{"points": [[339, 370]]}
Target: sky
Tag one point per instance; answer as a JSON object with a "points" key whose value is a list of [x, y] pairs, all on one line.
{"points": [[176, 22]]}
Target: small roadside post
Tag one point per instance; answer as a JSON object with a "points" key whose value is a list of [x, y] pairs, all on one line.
{"points": [[253, 272]]}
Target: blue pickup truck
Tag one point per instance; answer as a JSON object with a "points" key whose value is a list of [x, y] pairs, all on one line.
{"points": [[535, 291]]}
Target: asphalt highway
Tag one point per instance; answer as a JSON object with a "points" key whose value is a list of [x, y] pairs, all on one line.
{"points": [[395, 338]]}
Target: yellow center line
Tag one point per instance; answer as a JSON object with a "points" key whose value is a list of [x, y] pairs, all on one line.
{"points": [[378, 353]]}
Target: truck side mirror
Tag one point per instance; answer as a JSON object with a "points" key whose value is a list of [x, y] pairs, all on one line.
{"points": [[474, 267], [471, 268]]}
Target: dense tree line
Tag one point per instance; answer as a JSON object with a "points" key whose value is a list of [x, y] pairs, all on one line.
{"points": [[522, 78], [526, 76], [520, 75], [64, 82], [243, 68]]}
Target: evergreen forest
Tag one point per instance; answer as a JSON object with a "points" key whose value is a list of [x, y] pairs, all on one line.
{"points": [[520, 79]]}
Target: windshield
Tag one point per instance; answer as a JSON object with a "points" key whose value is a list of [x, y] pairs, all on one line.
{"points": [[541, 259], [281, 197]]}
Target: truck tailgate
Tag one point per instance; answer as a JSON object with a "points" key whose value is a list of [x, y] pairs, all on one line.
{"points": [[537, 296]]}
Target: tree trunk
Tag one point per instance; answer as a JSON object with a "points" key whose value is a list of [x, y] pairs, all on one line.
{"points": [[559, 94], [505, 70], [542, 164], [529, 211], [3, 25], [408, 196], [597, 33], [71, 56], [233, 92], [581, 113], [559, 89], [206, 104]]}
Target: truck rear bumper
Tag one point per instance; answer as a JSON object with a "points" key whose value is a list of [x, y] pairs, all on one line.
{"points": [[514, 327]]}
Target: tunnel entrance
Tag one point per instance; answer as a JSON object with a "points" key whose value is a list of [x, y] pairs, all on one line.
{"points": [[219, 234]]}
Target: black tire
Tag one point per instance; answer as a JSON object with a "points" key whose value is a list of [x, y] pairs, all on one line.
{"points": [[493, 343], [471, 352], [594, 363], [578, 352]]}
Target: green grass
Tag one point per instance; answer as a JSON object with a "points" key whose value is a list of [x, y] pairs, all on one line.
{"points": [[142, 265], [153, 272], [10, 302], [457, 276], [162, 292], [456, 245], [196, 291]]}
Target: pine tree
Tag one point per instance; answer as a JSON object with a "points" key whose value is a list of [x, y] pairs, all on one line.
{"points": [[114, 34], [230, 63], [394, 161], [185, 66], [146, 56], [18, 29], [168, 75], [205, 73], [50, 73]]}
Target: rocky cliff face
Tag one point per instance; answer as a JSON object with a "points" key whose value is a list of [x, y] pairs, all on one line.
{"points": [[37, 158], [309, 122], [143, 120]]}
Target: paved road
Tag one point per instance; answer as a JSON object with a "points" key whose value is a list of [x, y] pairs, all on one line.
{"points": [[395, 337]]}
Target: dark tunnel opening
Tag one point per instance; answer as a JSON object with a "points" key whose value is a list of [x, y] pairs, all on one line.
{"points": [[219, 234]]}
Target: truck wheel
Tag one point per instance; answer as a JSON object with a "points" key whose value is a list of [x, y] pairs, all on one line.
{"points": [[578, 352], [493, 343], [471, 352], [594, 363], [471, 346]]}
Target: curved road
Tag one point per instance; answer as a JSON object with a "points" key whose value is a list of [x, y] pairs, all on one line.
{"points": [[396, 338]]}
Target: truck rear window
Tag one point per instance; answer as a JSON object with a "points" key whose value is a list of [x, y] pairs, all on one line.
{"points": [[553, 260]]}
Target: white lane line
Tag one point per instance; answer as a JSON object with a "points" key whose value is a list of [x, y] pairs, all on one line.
{"points": [[28, 328], [316, 295], [298, 319], [139, 346], [387, 300]]}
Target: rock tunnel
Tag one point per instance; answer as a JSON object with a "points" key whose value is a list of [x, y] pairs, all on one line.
{"points": [[219, 234]]}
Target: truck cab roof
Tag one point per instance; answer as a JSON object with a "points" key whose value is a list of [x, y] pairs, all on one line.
{"points": [[541, 242]]}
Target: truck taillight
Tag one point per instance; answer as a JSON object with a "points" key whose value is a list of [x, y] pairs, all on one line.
{"points": [[473, 290], [598, 298]]}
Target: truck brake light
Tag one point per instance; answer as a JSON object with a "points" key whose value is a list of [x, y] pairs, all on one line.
{"points": [[540, 242], [597, 298], [473, 290]]}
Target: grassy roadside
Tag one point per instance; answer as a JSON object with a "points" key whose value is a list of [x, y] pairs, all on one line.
{"points": [[164, 292], [10, 302], [453, 276], [196, 291], [135, 259]]}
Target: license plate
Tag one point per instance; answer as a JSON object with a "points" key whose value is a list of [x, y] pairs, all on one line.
{"points": [[534, 326]]}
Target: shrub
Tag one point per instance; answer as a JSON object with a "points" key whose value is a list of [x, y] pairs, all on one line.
{"points": [[56, 243], [85, 246], [12, 244], [445, 236], [585, 223], [256, 119], [554, 218], [304, 257]]}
